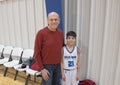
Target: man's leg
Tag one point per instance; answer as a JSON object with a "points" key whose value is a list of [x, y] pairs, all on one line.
{"points": [[56, 75]]}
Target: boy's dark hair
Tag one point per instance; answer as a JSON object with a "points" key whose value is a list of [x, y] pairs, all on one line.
{"points": [[71, 33]]}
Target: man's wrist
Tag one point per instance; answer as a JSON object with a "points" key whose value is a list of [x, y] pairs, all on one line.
{"points": [[42, 68]]}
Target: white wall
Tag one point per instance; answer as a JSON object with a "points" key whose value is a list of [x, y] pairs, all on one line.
{"points": [[104, 45], [20, 20]]}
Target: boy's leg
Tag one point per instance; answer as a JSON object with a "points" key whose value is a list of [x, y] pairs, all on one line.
{"points": [[68, 78], [73, 74]]}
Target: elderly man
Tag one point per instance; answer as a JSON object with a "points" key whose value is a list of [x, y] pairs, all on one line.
{"points": [[47, 50]]}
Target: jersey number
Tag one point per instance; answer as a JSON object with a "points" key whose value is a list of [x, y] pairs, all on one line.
{"points": [[70, 63]]}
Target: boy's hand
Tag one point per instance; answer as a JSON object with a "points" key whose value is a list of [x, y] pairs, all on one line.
{"points": [[63, 77], [77, 77]]}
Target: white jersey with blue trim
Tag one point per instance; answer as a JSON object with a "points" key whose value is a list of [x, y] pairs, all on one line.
{"points": [[70, 58]]}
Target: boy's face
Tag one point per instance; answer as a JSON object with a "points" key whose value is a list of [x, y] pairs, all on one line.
{"points": [[71, 40]]}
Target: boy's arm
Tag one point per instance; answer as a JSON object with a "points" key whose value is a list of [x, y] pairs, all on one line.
{"points": [[62, 68], [78, 62]]}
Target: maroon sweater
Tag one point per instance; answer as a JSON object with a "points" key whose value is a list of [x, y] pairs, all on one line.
{"points": [[48, 46]]}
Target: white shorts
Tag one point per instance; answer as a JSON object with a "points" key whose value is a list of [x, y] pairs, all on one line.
{"points": [[70, 76]]}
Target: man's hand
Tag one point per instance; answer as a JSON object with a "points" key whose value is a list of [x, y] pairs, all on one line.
{"points": [[45, 74]]}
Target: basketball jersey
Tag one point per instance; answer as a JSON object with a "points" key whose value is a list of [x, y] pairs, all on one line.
{"points": [[70, 58]]}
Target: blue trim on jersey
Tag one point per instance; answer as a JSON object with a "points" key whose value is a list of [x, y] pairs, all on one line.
{"points": [[68, 50]]}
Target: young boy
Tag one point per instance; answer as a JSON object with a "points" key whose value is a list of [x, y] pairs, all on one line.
{"points": [[70, 63]]}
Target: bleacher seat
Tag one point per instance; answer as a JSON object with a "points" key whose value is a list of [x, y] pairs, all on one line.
{"points": [[27, 53], [14, 59], [6, 54], [1, 51]]}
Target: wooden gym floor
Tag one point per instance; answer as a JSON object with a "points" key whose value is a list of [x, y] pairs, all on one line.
{"points": [[9, 78]]}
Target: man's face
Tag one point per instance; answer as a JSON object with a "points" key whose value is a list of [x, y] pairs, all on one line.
{"points": [[53, 21], [71, 40]]}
